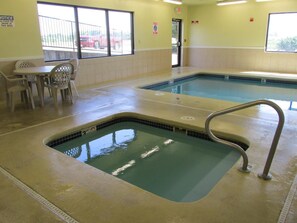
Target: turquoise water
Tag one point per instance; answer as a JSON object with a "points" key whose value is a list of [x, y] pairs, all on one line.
{"points": [[232, 89], [169, 164]]}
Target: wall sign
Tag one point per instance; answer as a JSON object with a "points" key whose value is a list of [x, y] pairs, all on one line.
{"points": [[6, 21], [178, 10]]}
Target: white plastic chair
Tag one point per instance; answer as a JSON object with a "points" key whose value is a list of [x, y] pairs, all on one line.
{"points": [[75, 63], [23, 64], [12, 85], [59, 79], [31, 78]]}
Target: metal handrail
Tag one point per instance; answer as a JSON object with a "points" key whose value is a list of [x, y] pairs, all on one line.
{"points": [[245, 167]]}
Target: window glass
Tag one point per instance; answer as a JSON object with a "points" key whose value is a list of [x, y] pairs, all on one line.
{"points": [[57, 29], [120, 32], [92, 32], [282, 32], [89, 34]]}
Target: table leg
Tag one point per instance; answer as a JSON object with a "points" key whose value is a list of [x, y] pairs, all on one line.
{"points": [[40, 89]]}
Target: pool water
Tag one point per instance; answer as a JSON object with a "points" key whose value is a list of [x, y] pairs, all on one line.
{"points": [[230, 88], [170, 164]]}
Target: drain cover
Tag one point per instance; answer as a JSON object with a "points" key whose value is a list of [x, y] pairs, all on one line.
{"points": [[187, 118]]}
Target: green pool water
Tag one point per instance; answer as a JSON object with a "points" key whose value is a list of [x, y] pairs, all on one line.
{"points": [[169, 164]]}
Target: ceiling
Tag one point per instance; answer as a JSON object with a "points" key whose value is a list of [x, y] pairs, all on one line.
{"points": [[199, 2], [188, 2]]}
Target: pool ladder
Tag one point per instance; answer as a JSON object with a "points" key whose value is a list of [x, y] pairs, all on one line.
{"points": [[245, 167]]}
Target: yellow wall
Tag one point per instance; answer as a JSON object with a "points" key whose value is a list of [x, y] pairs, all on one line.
{"points": [[225, 38], [230, 26], [226, 26], [24, 39]]}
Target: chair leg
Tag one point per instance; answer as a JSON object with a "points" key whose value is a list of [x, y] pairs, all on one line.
{"points": [[12, 102], [50, 92], [69, 87], [55, 96], [74, 86], [70, 95], [24, 96], [7, 100], [31, 98], [30, 84], [62, 93], [47, 81]]}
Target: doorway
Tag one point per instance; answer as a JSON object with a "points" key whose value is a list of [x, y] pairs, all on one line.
{"points": [[176, 42]]}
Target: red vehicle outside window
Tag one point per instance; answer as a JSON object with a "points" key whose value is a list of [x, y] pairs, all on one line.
{"points": [[99, 42]]}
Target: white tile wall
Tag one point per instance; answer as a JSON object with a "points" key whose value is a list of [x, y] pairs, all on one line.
{"points": [[115, 68], [98, 70], [247, 59]]}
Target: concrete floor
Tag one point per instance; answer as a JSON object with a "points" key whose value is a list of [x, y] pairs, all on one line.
{"points": [[39, 184]]}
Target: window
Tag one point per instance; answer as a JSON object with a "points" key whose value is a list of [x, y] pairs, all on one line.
{"points": [[72, 31], [57, 28], [282, 32], [120, 32], [92, 32]]}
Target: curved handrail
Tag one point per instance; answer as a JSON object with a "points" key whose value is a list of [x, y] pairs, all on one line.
{"points": [[265, 175]]}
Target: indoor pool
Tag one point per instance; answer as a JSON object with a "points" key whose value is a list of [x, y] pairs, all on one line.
{"points": [[153, 156], [230, 88]]}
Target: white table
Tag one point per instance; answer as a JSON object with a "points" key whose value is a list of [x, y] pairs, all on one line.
{"points": [[40, 72]]}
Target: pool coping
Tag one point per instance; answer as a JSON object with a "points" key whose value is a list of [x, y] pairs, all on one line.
{"points": [[188, 130], [241, 75]]}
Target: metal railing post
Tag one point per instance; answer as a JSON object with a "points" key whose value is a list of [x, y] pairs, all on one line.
{"points": [[245, 168]]}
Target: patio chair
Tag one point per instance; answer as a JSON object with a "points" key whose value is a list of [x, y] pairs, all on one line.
{"points": [[59, 79], [23, 64], [12, 85], [31, 78], [75, 63]]}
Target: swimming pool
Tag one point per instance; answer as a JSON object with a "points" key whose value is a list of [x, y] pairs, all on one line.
{"points": [[154, 156], [229, 88]]}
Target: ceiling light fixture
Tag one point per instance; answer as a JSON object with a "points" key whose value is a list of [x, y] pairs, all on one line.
{"points": [[177, 2], [230, 2]]}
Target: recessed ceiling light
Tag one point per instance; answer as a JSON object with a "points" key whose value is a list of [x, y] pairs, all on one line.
{"points": [[263, 0], [230, 2], [177, 2]]}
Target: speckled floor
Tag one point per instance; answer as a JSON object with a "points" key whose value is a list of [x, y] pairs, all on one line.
{"points": [[39, 184]]}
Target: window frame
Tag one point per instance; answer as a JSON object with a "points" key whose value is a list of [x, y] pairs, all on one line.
{"points": [[77, 30]]}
